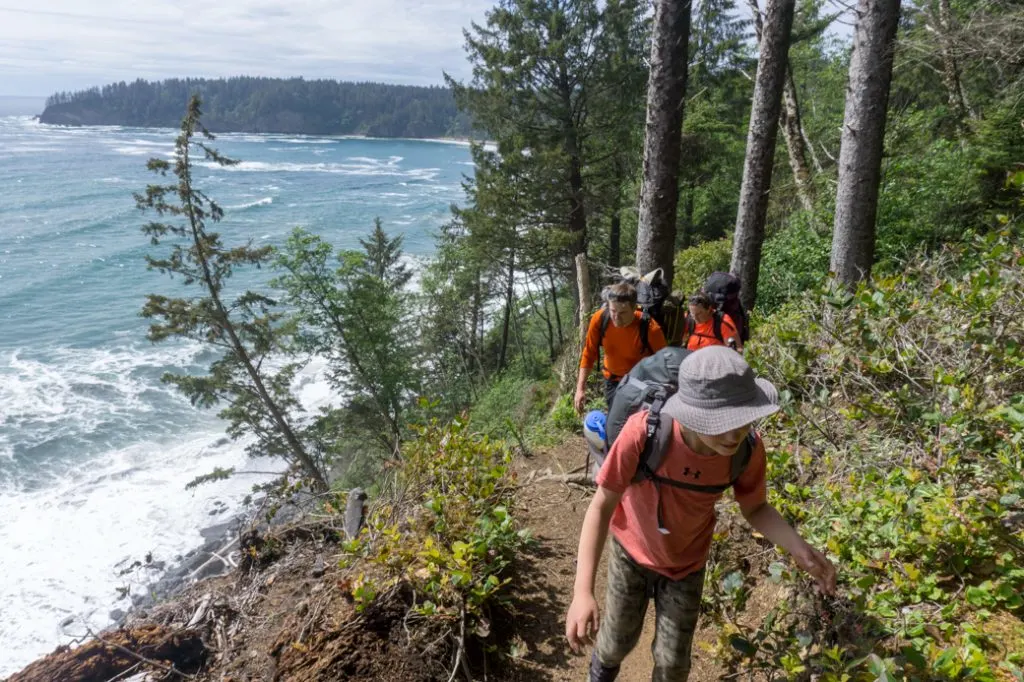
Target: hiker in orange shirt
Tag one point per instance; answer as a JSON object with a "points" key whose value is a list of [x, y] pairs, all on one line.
{"points": [[706, 326], [624, 333], [660, 511]]}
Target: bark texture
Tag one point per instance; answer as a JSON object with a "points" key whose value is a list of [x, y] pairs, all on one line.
{"points": [[860, 153], [797, 144], [761, 136], [659, 193]]}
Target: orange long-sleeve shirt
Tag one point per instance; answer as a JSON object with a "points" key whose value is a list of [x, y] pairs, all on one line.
{"points": [[622, 345]]}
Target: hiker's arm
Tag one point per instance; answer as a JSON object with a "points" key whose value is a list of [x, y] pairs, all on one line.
{"points": [[752, 494], [593, 537], [767, 520], [581, 389], [583, 620]]}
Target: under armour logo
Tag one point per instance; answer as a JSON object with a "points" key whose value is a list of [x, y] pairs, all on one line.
{"points": [[695, 474]]}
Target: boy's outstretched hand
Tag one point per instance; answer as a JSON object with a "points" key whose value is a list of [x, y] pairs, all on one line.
{"points": [[817, 565], [582, 622]]}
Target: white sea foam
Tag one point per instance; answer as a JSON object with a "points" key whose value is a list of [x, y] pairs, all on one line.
{"points": [[65, 539], [73, 391], [62, 543], [356, 169], [265, 201]]}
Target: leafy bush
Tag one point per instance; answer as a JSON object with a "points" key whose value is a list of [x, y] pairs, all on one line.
{"points": [[693, 265], [512, 406], [446, 531], [794, 261], [900, 449], [564, 416]]}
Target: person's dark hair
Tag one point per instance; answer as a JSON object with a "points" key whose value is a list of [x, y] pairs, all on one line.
{"points": [[622, 292], [701, 299]]}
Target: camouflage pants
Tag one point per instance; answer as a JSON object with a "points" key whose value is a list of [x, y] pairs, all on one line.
{"points": [[676, 606]]}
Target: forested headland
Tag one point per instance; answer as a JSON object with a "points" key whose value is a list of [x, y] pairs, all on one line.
{"points": [[268, 105]]}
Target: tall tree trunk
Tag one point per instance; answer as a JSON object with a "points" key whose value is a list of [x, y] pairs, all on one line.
{"points": [[792, 127], [475, 313], [950, 69], [568, 365], [554, 304], [666, 87], [542, 310], [860, 151], [509, 293], [615, 239], [757, 168], [577, 218], [577, 210], [793, 131], [583, 291]]}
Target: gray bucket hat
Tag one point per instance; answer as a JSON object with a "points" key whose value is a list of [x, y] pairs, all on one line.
{"points": [[718, 393]]}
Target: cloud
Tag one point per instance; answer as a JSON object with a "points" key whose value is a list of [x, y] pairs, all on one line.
{"points": [[69, 44]]}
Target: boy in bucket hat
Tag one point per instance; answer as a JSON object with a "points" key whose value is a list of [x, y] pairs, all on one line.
{"points": [[662, 518]]}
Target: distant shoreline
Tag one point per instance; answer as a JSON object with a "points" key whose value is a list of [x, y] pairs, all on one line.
{"points": [[459, 140]]}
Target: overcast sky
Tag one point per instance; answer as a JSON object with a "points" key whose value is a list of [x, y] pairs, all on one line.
{"points": [[50, 45]]}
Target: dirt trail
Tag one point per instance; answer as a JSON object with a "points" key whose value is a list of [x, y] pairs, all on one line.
{"points": [[554, 512]]}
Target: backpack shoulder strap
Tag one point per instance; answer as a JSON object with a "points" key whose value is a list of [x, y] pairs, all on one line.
{"points": [[689, 326], [741, 460], [655, 440], [718, 317], [605, 319], [645, 328]]}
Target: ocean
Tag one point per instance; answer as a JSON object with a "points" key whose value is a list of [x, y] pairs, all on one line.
{"points": [[94, 451]]}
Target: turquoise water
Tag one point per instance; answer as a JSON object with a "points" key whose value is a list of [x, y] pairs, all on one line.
{"points": [[94, 451]]}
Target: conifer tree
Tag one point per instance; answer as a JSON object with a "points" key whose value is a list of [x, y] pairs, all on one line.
{"points": [[245, 330], [358, 316], [539, 69]]}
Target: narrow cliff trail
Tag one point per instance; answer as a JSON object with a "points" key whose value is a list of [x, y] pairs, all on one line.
{"points": [[553, 510]]}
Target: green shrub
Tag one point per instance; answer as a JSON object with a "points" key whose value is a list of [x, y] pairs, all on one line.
{"points": [[693, 265], [510, 404], [794, 261], [564, 416], [446, 532], [900, 449]]}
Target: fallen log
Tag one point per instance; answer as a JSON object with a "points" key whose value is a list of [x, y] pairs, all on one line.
{"points": [[113, 653]]}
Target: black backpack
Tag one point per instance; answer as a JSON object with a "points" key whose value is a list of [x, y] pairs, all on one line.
{"points": [[651, 292], [651, 295], [647, 386], [724, 290], [636, 391]]}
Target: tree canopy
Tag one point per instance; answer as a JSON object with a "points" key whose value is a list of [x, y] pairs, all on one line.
{"points": [[268, 105]]}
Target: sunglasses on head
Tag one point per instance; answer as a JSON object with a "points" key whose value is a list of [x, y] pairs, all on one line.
{"points": [[619, 298]]}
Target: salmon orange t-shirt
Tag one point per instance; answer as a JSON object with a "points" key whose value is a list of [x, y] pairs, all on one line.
{"points": [[704, 334], [688, 515], [622, 345]]}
